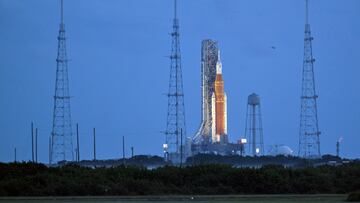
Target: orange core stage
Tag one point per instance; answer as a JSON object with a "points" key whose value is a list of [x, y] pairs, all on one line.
{"points": [[219, 107]]}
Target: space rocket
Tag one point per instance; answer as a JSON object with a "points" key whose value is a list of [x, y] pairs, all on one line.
{"points": [[219, 107]]}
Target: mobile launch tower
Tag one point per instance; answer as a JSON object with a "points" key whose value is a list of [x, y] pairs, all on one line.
{"points": [[213, 127], [209, 58]]}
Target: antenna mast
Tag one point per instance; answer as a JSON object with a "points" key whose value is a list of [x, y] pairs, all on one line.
{"points": [[62, 12], [175, 9], [306, 11]]}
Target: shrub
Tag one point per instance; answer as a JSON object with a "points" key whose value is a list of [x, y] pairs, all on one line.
{"points": [[354, 197]]}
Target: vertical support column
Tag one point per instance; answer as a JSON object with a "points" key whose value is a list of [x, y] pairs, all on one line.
{"points": [[77, 144], [181, 147], [94, 137], [254, 129], [123, 148], [50, 150], [36, 145], [32, 142], [15, 158]]}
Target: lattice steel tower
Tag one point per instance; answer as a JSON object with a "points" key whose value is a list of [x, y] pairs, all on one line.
{"points": [[309, 138], [61, 142], [175, 126]]}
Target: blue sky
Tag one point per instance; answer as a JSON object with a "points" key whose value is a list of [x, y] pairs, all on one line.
{"points": [[119, 72]]}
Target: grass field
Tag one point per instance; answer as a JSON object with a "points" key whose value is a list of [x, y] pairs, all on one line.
{"points": [[181, 199]]}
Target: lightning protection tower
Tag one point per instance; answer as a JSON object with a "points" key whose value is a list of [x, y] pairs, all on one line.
{"points": [[175, 126], [62, 143], [309, 136], [254, 130]]}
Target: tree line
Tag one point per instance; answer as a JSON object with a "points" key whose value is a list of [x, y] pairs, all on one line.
{"points": [[30, 179]]}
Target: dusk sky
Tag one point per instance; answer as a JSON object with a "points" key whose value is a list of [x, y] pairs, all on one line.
{"points": [[119, 71]]}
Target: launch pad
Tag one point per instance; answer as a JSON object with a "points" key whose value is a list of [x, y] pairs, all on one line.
{"points": [[218, 148]]}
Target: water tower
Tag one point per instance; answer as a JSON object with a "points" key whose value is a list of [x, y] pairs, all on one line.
{"points": [[253, 129]]}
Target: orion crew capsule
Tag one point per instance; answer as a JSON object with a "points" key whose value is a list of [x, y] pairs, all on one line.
{"points": [[219, 107]]}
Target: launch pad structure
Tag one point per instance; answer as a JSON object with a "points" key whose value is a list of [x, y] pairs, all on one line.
{"points": [[212, 136]]}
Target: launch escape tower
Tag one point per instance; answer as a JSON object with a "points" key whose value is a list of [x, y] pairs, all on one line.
{"points": [[254, 130], [175, 133], [309, 136], [61, 135]]}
